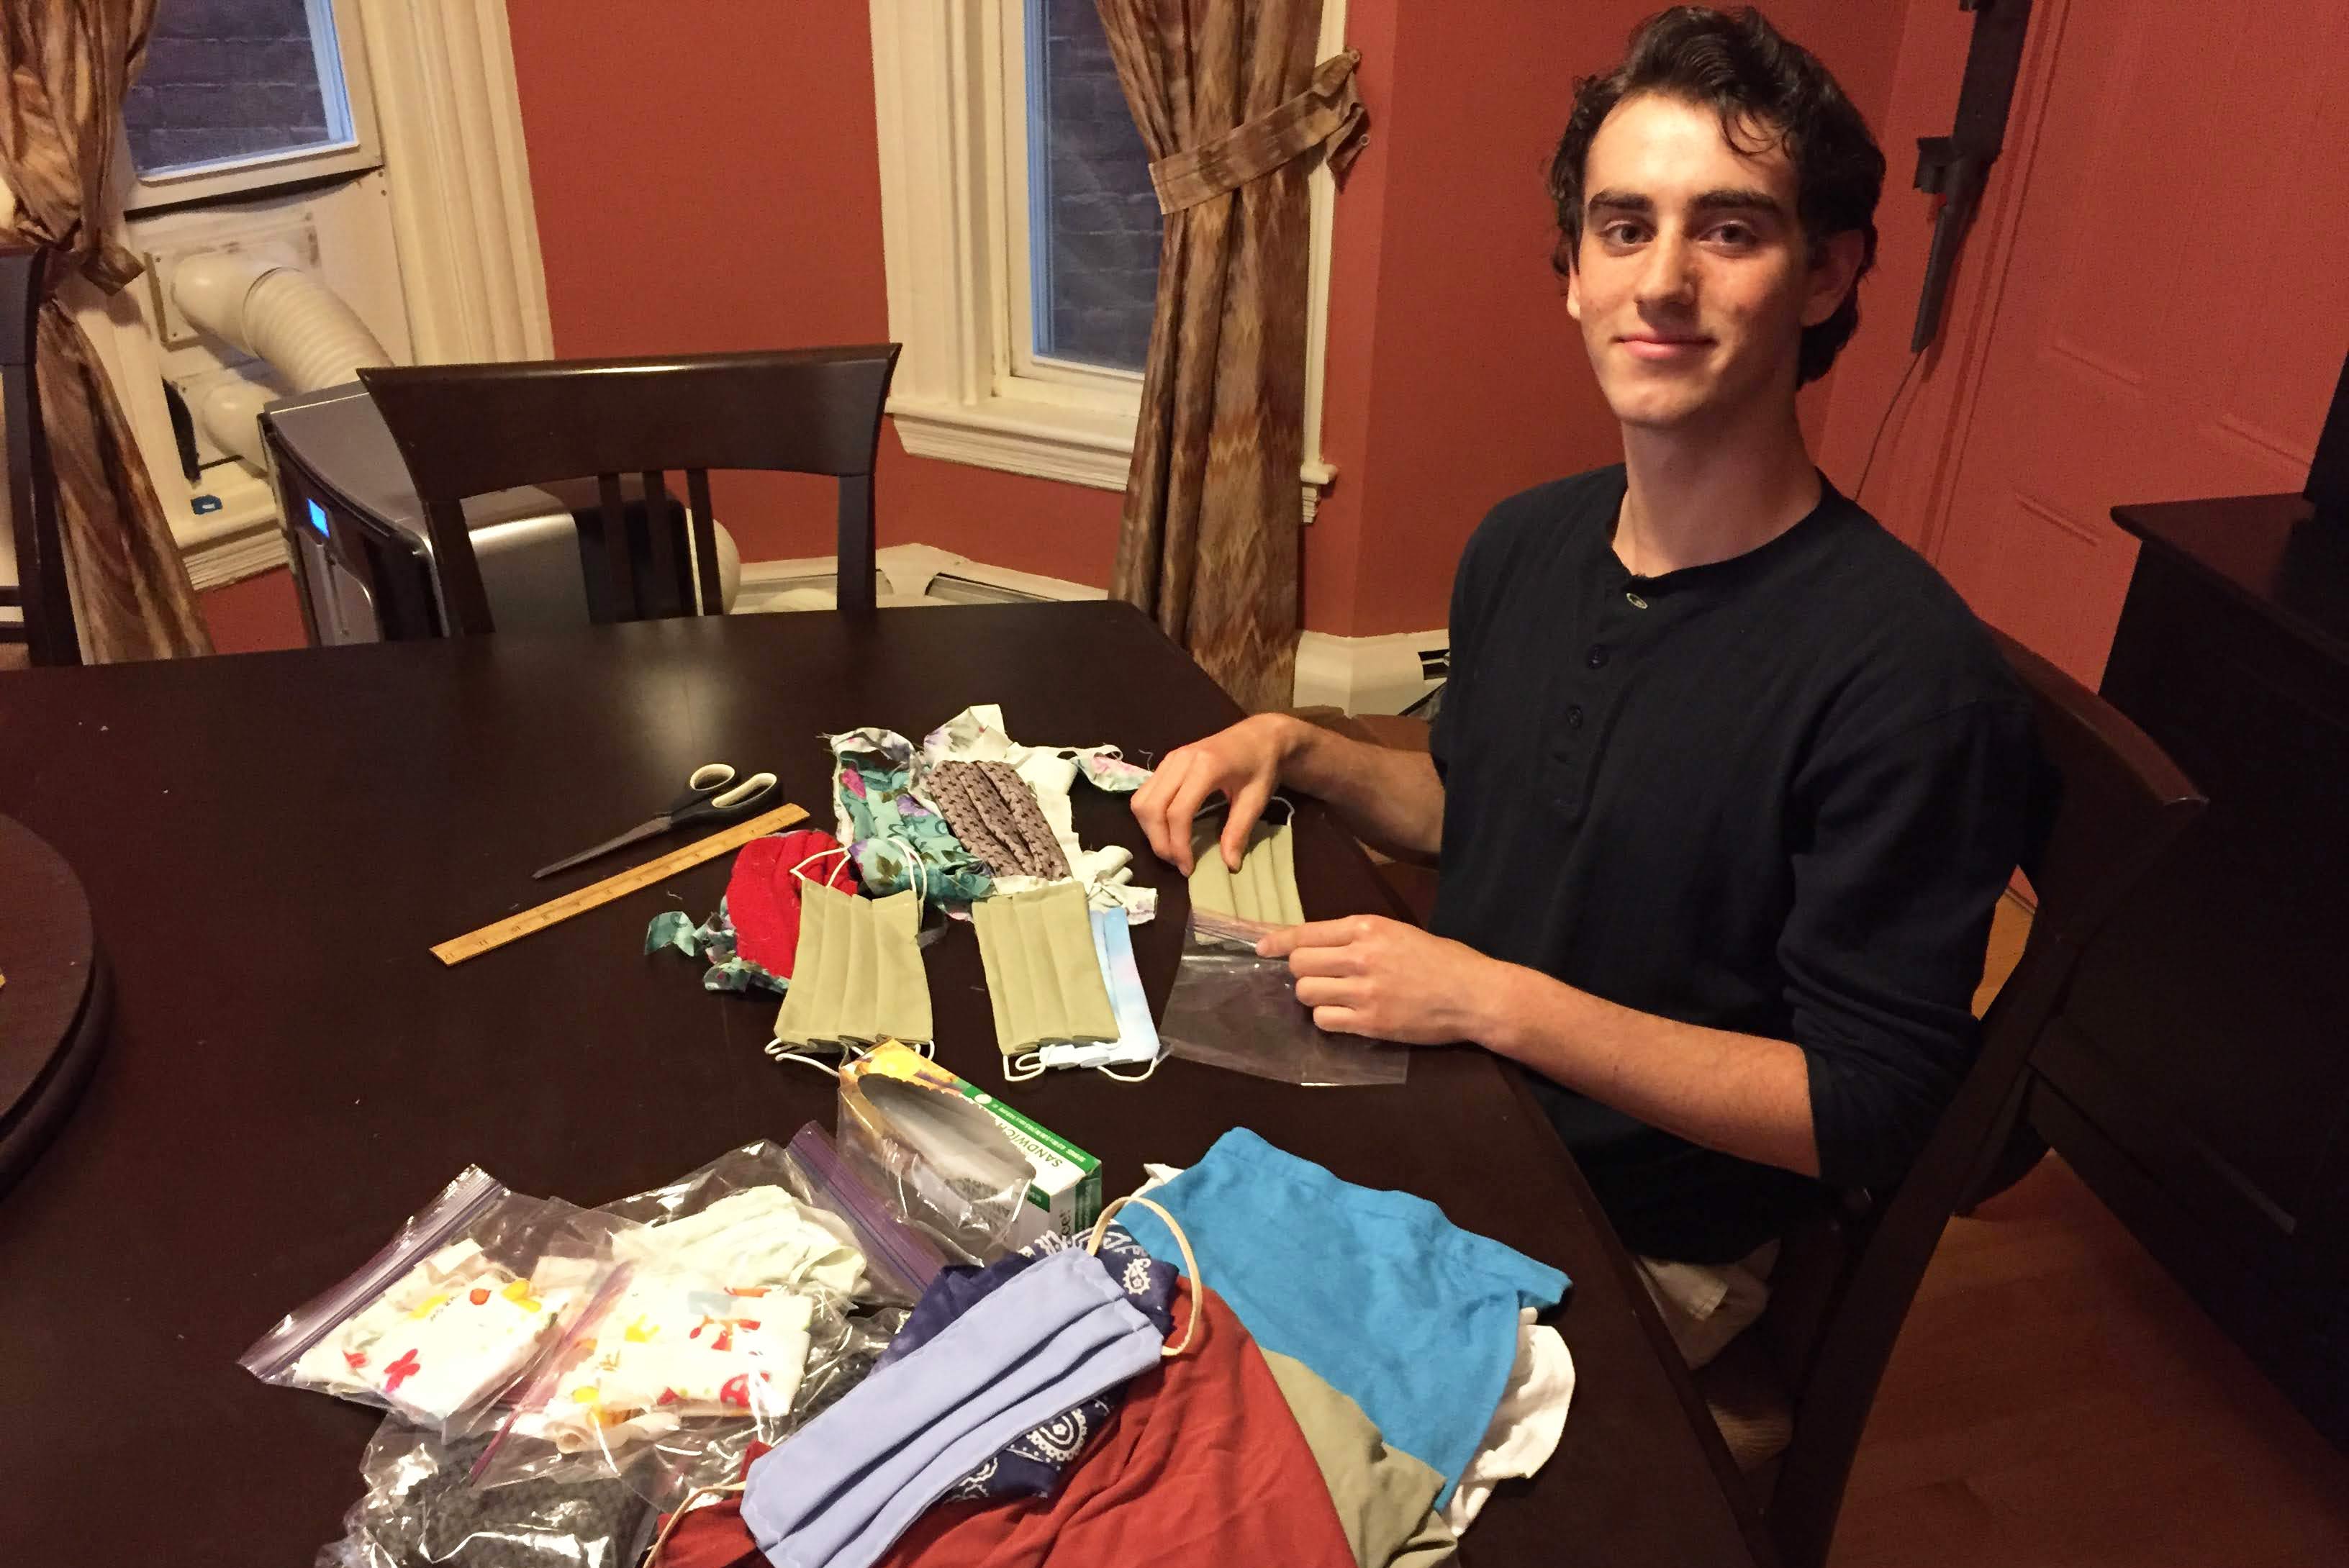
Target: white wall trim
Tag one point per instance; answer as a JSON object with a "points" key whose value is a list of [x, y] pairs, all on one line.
{"points": [[910, 575], [1322, 219], [450, 114], [1368, 674], [217, 562], [940, 93]]}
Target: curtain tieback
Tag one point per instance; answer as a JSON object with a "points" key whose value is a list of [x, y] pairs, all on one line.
{"points": [[1327, 111]]}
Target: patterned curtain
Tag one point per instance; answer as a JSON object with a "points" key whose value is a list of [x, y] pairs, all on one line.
{"points": [[1230, 102], [64, 66]]}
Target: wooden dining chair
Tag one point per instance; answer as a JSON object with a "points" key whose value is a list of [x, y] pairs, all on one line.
{"points": [[1843, 1287], [469, 429], [40, 595]]}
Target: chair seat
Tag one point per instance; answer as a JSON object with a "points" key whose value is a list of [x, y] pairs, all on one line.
{"points": [[1749, 1404]]}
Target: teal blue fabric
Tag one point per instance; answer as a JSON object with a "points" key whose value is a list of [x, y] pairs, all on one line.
{"points": [[883, 823], [1387, 1300], [713, 942]]}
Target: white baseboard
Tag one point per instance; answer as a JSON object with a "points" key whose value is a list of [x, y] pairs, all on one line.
{"points": [[240, 538], [909, 573], [1370, 674]]}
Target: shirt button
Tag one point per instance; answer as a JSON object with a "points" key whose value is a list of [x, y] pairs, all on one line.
{"points": [[1597, 654], [1574, 717], [1637, 602]]}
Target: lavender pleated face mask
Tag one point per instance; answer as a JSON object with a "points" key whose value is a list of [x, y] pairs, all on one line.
{"points": [[849, 1483]]}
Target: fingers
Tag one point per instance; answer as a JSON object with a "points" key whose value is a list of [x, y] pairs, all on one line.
{"points": [[1190, 793], [1318, 934], [1325, 961], [1341, 1021], [1326, 991], [1247, 805], [1149, 801]]}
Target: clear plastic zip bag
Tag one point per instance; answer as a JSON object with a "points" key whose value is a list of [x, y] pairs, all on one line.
{"points": [[939, 1162], [899, 1260], [420, 1511], [449, 1312], [1229, 1008], [735, 1306]]}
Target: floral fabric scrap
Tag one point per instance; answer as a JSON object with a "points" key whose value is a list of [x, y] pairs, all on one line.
{"points": [[889, 828], [750, 942]]}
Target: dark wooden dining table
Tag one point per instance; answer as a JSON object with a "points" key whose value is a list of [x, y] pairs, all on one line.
{"points": [[270, 843]]}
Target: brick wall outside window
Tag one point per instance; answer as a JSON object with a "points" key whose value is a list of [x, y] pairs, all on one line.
{"points": [[1098, 235], [225, 78]]}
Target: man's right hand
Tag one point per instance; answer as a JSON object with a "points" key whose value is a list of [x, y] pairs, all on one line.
{"points": [[1242, 764]]}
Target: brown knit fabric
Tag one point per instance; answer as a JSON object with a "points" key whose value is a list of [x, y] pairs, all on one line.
{"points": [[994, 813], [1228, 102], [64, 66]]}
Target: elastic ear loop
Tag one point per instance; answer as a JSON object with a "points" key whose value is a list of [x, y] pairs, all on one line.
{"points": [[820, 855], [695, 1495], [775, 1048], [917, 873], [1190, 1263], [1015, 1072], [1141, 1077]]}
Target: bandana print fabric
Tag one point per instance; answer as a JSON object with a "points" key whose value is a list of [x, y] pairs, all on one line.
{"points": [[1031, 1464]]}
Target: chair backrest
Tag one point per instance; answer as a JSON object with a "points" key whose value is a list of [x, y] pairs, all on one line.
{"points": [[2115, 804], [40, 592], [469, 429]]}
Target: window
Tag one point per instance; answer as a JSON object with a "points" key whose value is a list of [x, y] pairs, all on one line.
{"points": [[1020, 237], [1093, 224], [255, 123], [239, 95]]}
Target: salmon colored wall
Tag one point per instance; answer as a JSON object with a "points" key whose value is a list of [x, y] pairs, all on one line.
{"points": [[254, 616], [705, 177], [1472, 377], [1921, 100]]}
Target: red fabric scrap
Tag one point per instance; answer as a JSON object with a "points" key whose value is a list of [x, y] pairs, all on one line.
{"points": [[762, 897], [1204, 1463]]}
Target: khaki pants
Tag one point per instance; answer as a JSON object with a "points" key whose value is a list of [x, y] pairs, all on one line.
{"points": [[1706, 1305]]}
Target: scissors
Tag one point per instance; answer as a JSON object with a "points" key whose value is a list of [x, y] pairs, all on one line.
{"points": [[706, 799]]}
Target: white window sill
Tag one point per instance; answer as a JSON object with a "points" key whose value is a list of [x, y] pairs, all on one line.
{"points": [[1042, 440], [1074, 446]]}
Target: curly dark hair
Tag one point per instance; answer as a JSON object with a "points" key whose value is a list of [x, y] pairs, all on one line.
{"points": [[1753, 78]]}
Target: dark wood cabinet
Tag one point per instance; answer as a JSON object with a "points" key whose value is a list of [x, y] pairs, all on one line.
{"points": [[2205, 1092]]}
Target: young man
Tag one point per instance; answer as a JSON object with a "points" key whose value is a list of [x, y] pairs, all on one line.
{"points": [[1726, 779]]}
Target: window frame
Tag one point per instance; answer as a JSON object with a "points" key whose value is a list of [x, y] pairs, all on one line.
{"points": [[1100, 385], [950, 106], [360, 154]]}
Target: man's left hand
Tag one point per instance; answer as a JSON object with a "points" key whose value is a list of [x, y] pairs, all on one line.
{"points": [[1367, 974]]}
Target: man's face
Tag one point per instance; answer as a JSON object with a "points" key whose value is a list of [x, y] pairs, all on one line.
{"points": [[1693, 281]]}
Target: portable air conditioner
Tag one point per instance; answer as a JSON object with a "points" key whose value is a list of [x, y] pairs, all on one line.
{"points": [[361, 553]]}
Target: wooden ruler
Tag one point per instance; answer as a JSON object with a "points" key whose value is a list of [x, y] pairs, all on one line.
{"points": [[474, 944]]}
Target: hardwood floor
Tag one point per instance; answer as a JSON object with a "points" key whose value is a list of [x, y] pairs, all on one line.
{"points": [[2056, 1401]]}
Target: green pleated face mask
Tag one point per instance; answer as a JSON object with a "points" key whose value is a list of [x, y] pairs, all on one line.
{"points": [[1041, 975], [1263, 892], [857, 976]]}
